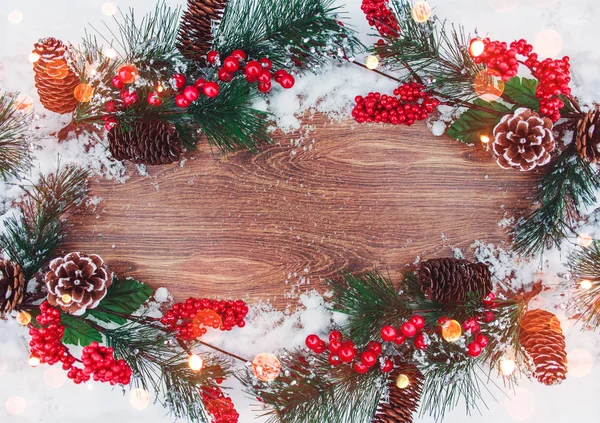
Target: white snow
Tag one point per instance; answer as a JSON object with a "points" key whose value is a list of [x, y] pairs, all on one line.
{"points": [[560, 27]]}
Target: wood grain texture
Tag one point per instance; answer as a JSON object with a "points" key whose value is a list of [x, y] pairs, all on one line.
{"points": [[348, 197]]}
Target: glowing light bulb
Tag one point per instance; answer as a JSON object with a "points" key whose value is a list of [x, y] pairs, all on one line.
{"points": [[111, 53], [109, 9], [159, 88], [402, 381], [507, 366], [584, 240], [421, 12], [372, 62], [585, 284], [139, 399], [66, 298], [34, 57], [23, 318], [15, 17], [34, 361], [484, 139], [476, 48], [195, 362]]}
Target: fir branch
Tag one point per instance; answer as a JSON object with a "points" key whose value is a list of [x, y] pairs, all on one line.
{"points": [[159, 365], [31, 237], [568, 184], [585, 265], [302, 32], [310, 390], [14, 154]]}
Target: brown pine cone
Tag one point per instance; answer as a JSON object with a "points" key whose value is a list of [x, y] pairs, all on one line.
{"points": [[147, 142], [587, 137], [400, 404], [450, 280], [195, 33], [77, 282], [523, 140], [541, 336], [54, 78], [12, 285]]}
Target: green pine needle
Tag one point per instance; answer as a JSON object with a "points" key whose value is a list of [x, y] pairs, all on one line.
{"points": [[14, 154], [585, 264]]}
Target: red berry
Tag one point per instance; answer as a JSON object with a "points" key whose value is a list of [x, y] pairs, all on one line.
{"points": [[399, 340], [334, 345], [408, 330], [264, 87], [419, 342], [471, 325], [360, 368], [224, 75], [251, 79], [368, 358], [387, 366], [200, 82], [117, 82], [211, 89], [111, 106], [418, 321], [287, 81], [321, 347], [442, 321], [179, 80], [473, 349], [388, 333], [191, 93], [375, 347], [253, 69], [335, 335], [127, 74], [490, 300], [279, 74], [312, 341], [482, 340], [346, 354], [265, 63], [154, 99], [264, 77], [333, 359], [239, 54], [212, 56], [128, 97], [231, 64], [488, 316], [181, 101]]}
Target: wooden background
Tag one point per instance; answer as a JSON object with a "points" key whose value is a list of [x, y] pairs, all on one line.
{"points": [[254, 226]]}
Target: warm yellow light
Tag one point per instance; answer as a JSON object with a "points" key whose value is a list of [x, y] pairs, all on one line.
{"points": [[584, 240], [451, 331], [507, 366], [484, 139], [372, 62], [195, 362], [266, 367], [66, 298], [34, 57], [111, 53], [402, 381], [34, 361], [585, 284], [109, 9], [23, 318], [476, 48], [421, 12], [83, 93], [159, 88], [15, 17]]}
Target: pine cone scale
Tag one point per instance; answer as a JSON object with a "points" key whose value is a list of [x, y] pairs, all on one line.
{"points": [[587, 136], [12, 286], [195, 34], [400, 404]]}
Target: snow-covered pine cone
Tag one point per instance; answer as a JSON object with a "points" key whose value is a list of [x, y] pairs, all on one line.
{"points": [[195, 37], [12, 284], [523, 140], [77, 282], [450, 280], [587, 138], [54, 78], [400, 404], [542, 337]]}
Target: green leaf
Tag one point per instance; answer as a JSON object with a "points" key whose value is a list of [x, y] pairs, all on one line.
{"points": [[474, 122], [78, 332], [124, 296], [522, 92]]}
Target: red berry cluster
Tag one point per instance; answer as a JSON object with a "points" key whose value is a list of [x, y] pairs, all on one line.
{"points": [[411, 329], [554, 75], [258, 71], [344, 351], [413, 104], [220, 407], [180, 318], [379, 16], [99, 362]]}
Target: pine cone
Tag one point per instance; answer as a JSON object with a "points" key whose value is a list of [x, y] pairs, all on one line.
{"points": [[400, 404], [541, 336], [148, 142], [587, 138], [449, 280], [12, 284], [54, 79], [195, 33], [523, 140], [77, 282]]}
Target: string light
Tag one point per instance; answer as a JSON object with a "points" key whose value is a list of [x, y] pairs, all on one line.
{"points": [[476, 48], [34, 57], [23, 318], [584, 240], [111, 53], [15, 17], [507, 366], [585, 284], [421, 12], [484, 139], [372, 62], [402, 381], [266, 367], [195, 362], [159, 88], [451, 331], [34, 361], [109, 9], [66, 298]]}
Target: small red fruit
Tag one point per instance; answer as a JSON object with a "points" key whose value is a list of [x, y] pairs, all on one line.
{"points": [[388, 333], [334, 345], [231, 64], [471, 325], [408, 330], [490, 300], [360, 368], [200, 82], [312, 341], [265, 77], [473, 349], [251, 79], [488, 316], [418, 321], [265, 63], [279, 74], [482, 340], [419, 342], [387, 366], [191, 93], [127, 73], [179, 80], [399, 340], [239, 54], [265, 87], [346, 354], [111, 106], [375, 347], [368, 358], [117, 82], [128, 97], [287, 81], [224, 75], [335, 335], [211, 89], [212, 56], [253, 69], [333, 359], [181, 101], [321, 347], [154, 99], [442, 321]]}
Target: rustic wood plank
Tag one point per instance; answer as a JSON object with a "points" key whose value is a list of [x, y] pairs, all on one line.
{"points": [[357, 197]]}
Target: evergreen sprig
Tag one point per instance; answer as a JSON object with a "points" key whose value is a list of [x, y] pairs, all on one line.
{"points": [[31, 237], [569, 184], [585, 265], [14, 154], [311, 390], [289, 32]]}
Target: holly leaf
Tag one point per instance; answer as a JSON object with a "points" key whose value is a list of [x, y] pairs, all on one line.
{"points": [[124, 296], [522, 92], [78, 332], [474, 123]]}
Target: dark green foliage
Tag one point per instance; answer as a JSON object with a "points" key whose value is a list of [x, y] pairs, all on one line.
{"points": [[14, 155], [476, 122], [310, 390], [521, 91], [31, 237], [302, 32], [78, 331], [568, 184], [585, 264], [124, 296]]}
